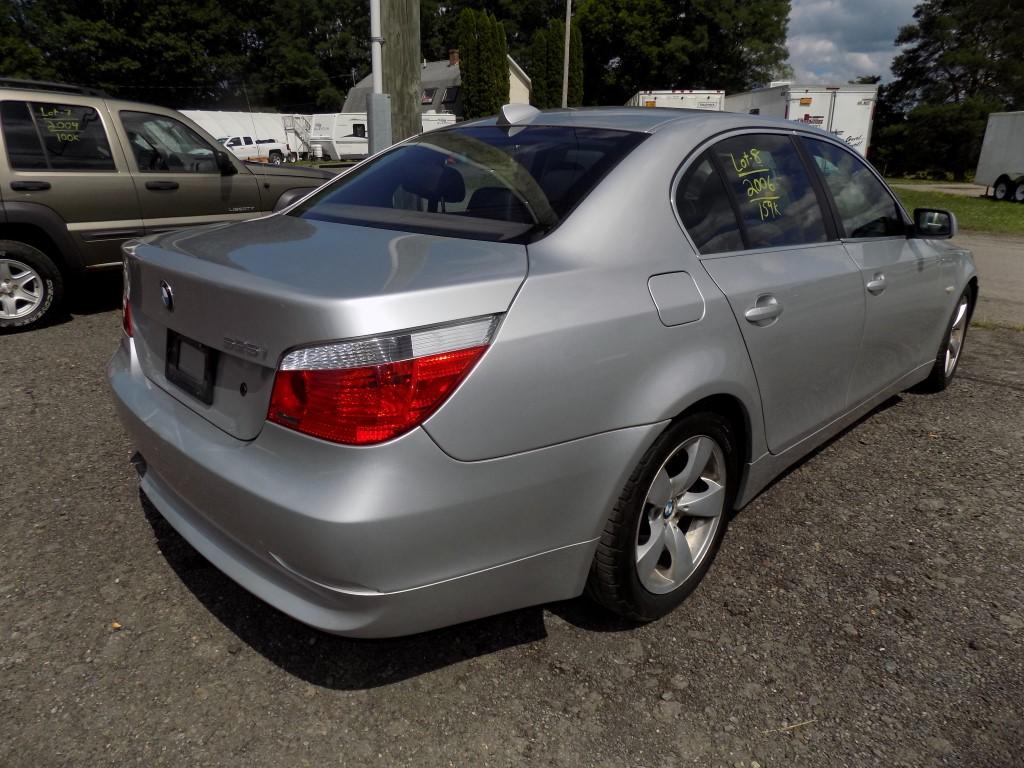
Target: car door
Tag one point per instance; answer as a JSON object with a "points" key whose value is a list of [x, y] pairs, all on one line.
{"points": [[902, 276], [756, 216], [178, 176], [62, 154]]}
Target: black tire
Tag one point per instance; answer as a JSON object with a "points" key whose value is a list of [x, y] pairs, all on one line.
{"points": [[1003, 189], [939, 378], [51, 283], [276, 158], [614, 582]]}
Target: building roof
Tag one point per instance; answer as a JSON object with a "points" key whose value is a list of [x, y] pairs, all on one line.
{"points": [[433, 74]]}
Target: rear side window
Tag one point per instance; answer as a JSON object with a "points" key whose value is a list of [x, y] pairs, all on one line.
{"points": [[865, 207], [705, 210], [772, 191], [59, 137], [481, 182]]}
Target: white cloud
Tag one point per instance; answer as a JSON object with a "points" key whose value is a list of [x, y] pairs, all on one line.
{"points": [[832, 41]]}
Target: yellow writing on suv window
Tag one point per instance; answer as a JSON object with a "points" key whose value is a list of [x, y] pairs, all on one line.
{"points": [[759, 182], [61, 123]]}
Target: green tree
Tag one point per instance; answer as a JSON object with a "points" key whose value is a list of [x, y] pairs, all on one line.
{"points": [[651, 44], [483, 63], [19, 56], [960, 61], [545, 65]]}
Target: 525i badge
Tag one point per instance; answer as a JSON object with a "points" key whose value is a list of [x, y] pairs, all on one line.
{"points": [[244, 347]]}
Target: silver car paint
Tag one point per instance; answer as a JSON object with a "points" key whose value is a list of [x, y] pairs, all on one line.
{"points": [[497, 501], [367, 523], [273, 282]]}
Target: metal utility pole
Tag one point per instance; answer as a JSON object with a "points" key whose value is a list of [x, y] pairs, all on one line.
{"points": [[378, 104], [565, 63]]}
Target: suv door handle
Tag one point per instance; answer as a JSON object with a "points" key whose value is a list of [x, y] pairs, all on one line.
{"points": [[158, 185], [764, 311], [877, 285], [30, 186]]}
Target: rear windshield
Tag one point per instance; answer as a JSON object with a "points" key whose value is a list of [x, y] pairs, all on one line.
{"points": [[482, 182]]}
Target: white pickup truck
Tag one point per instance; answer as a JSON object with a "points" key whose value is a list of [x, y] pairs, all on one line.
{"points": [[248, 148]]}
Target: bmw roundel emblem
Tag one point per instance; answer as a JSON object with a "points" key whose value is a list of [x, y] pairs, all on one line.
{"points": [[167, 295]]}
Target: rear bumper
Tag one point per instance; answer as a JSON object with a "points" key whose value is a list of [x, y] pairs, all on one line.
{"points": [[380, 541]]}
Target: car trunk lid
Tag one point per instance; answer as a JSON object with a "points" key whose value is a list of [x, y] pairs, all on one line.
{"points": [[249, 292]]}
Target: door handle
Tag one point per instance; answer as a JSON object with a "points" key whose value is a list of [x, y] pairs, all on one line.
{"points": [[30, 186], [161, 185], [765, 310], [877, 285]]}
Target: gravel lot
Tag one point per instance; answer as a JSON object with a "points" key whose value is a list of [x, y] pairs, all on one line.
{"points": [[867, 609]]}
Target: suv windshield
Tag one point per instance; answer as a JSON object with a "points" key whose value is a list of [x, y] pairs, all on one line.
{"points": [[483, 182]]}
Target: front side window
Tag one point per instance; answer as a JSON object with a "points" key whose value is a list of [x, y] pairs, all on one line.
{"points": [[704, 208], [772, 191], [162, 144], [235, 142], [59, 137], [865, 207], [482, 182]]}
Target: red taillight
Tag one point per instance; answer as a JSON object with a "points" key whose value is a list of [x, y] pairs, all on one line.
{"points": [[366, 404]]}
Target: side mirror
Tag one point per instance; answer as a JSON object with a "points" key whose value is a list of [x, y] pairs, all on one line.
{"points": [[934, 224], [227, 168]]}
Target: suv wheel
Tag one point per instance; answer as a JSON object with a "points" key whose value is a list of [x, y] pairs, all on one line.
{"points": [[30, 285]]}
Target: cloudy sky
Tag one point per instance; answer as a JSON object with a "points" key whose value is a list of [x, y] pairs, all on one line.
{"points": [[836, 40]]}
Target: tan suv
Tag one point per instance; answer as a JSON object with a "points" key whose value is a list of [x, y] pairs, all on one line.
{"points": [[81, 173]]}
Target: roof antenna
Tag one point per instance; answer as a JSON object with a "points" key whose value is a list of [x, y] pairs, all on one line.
{"points": [[517, 114]]}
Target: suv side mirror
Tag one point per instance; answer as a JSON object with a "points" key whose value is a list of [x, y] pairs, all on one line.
{"points": [[227, 168], [934, 224]]}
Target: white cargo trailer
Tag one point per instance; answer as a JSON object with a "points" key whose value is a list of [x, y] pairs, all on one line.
{"points": [[679, 99], [1001, 163], [845, 110], [342, 135], [286, 129]]}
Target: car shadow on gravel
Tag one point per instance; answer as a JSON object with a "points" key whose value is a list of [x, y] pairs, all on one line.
{"points": [[328, 660], [91, 294]]}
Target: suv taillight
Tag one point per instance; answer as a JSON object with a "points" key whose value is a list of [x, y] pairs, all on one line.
{"points": [[370, 390]]}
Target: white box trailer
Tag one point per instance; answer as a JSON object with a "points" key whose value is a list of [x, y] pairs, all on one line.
{"points": [[282, 128], [342, 135], [1001, 162], [845, 110], [712, 101]]}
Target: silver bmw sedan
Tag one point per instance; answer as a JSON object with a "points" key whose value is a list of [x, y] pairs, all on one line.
{"points": [[521, 358]]}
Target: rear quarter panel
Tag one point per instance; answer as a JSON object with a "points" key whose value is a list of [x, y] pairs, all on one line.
{"points": [[582, 349]]}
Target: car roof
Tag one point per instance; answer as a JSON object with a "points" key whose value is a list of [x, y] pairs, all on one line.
{"points": [[651, 119]]}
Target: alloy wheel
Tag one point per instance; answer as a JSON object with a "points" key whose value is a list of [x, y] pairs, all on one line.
{"points": [[956, 335], [21, 289], [682, 512]]}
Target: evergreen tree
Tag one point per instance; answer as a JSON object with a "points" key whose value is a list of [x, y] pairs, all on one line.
{"points": [[483, 63], [961, 60], [546, 66]]}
